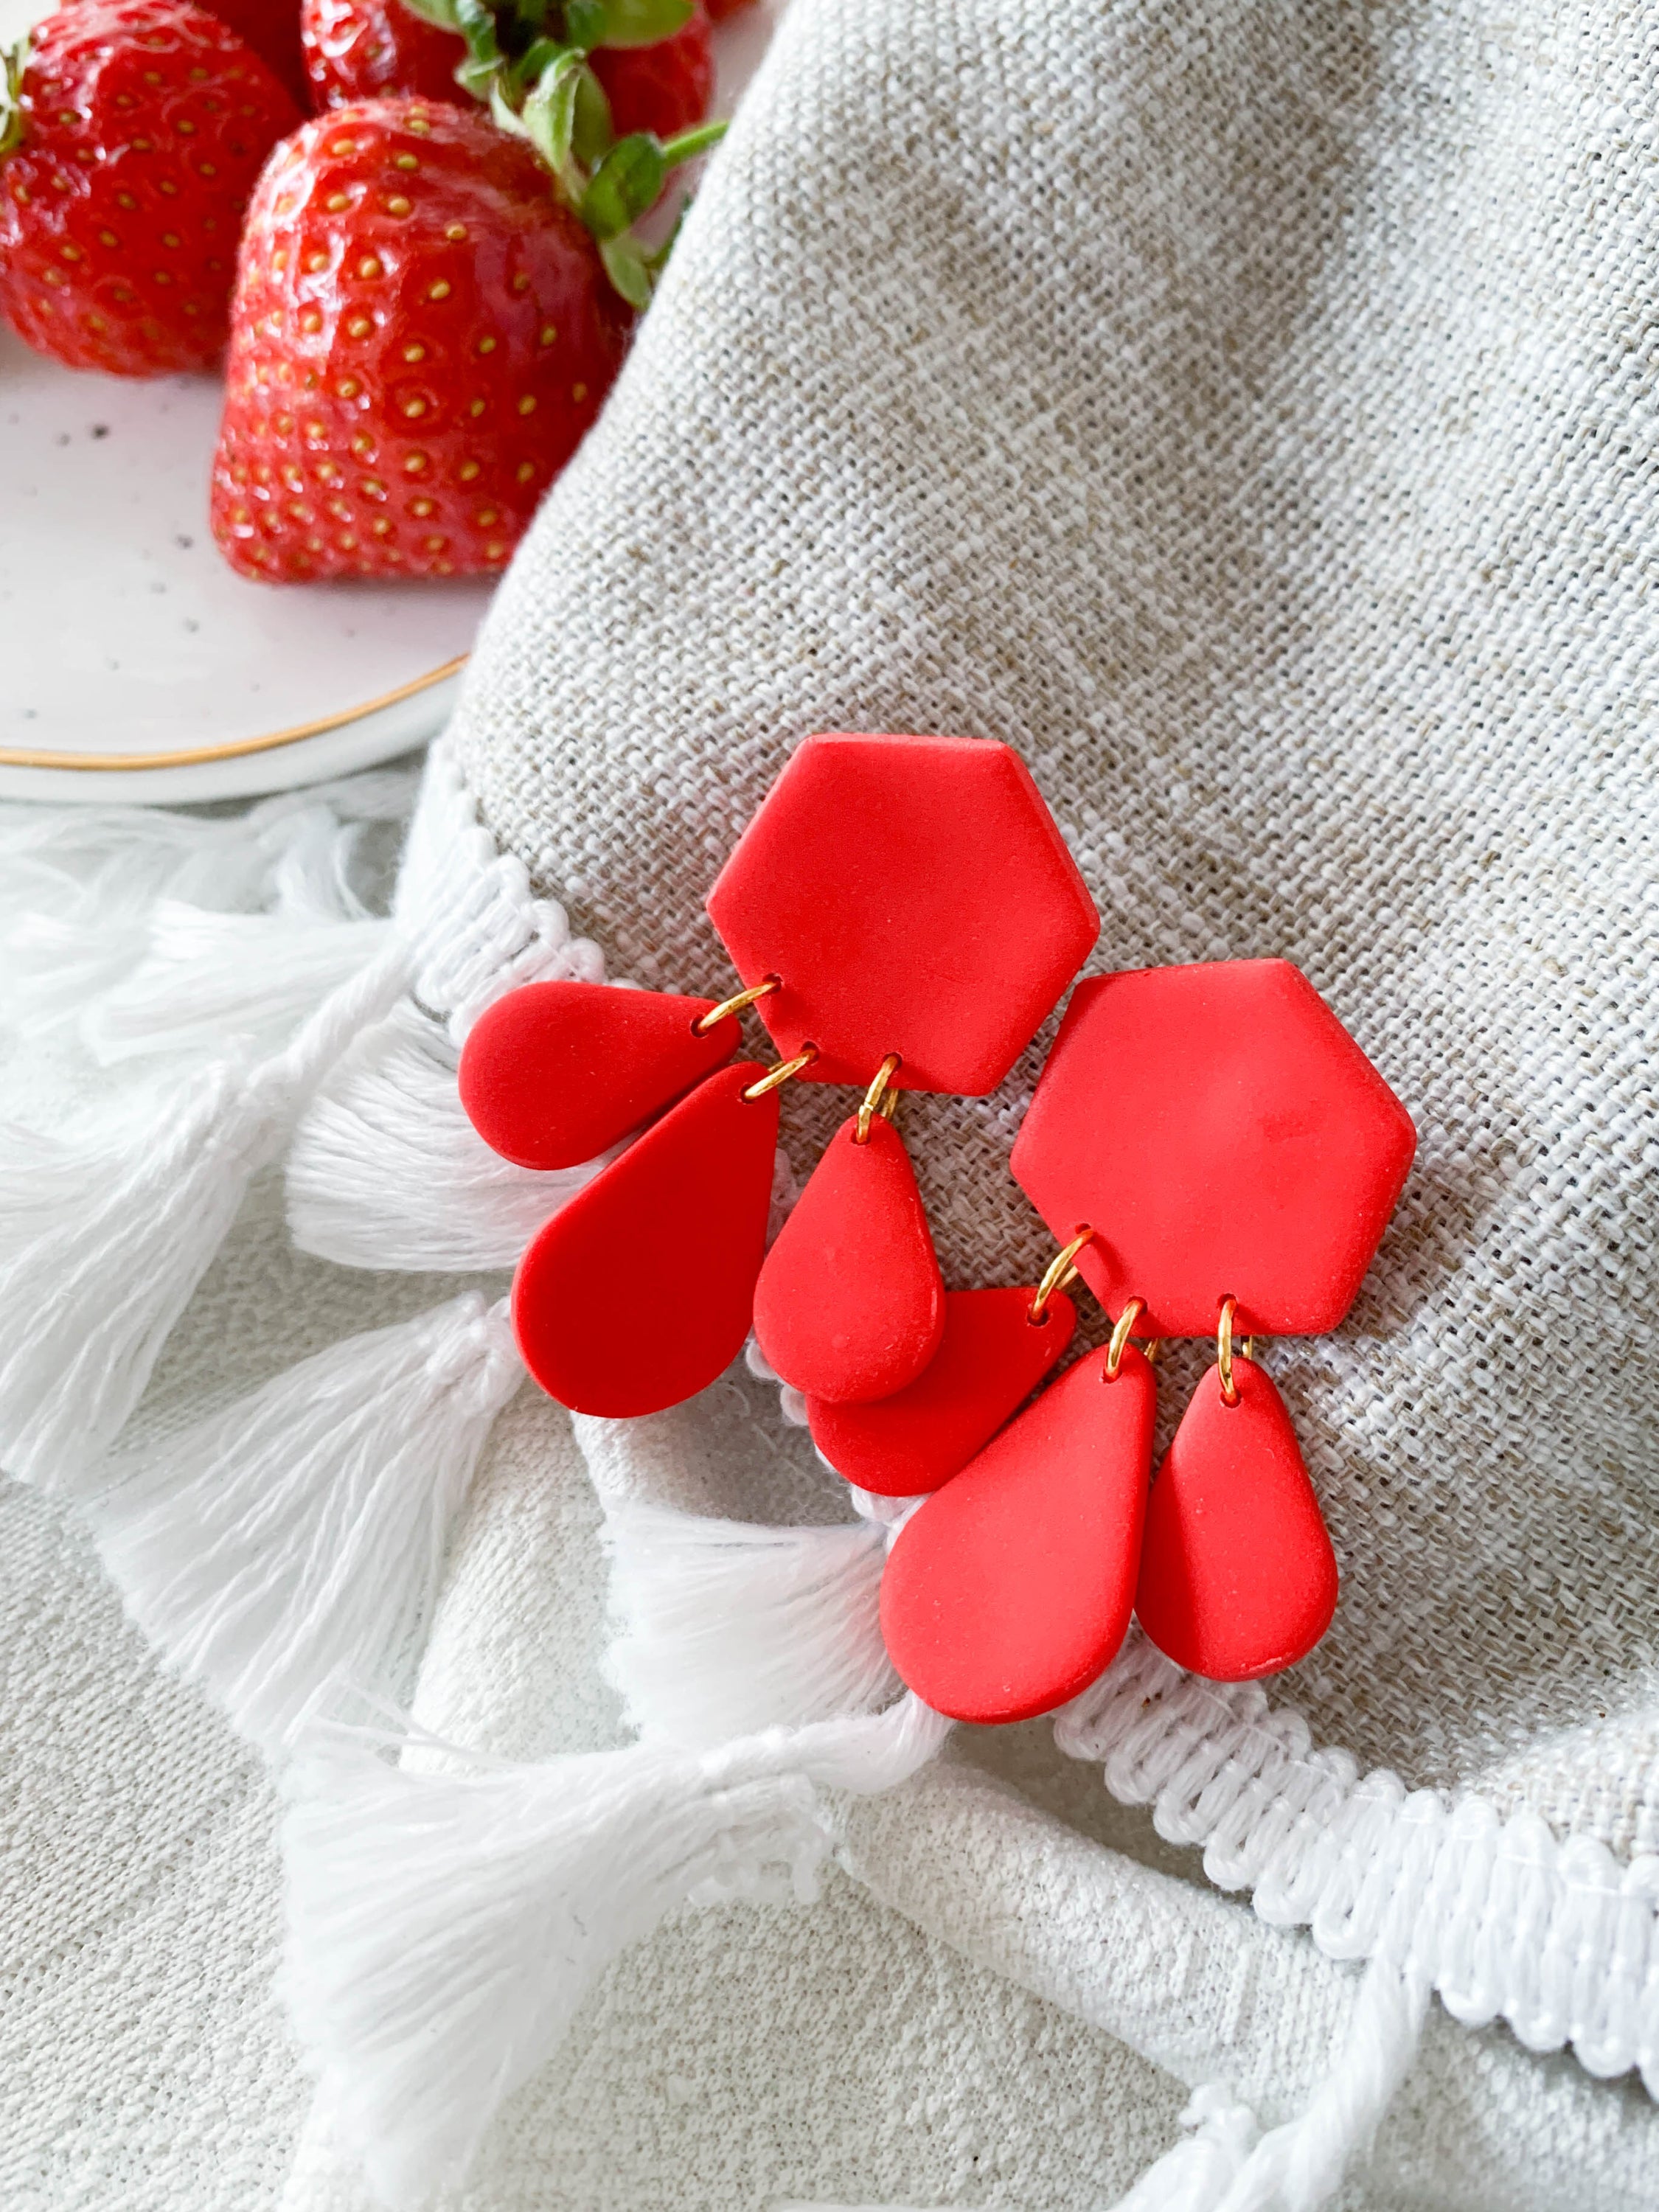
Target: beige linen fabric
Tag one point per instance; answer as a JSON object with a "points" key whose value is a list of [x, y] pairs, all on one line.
{"points": [[1247, 411]]}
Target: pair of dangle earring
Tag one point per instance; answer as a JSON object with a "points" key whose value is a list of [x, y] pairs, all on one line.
{"points": [[904, 914], [880, 951]]}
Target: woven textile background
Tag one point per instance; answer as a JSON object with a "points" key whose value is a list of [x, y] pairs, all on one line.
{"points": [[1244, 408]]}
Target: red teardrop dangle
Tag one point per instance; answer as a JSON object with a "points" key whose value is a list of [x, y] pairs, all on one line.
{"points": [[850, 1305], [1237, 1575], [1009, 1592], [638, 1294], [993, 1355], [553, 1072]]}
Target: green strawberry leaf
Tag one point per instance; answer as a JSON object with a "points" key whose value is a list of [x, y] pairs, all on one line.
{"points": [[593, 135], [13, 61], [584, 22], [440, 12], [626, 183], [538, 56], [690, 143], [549, 120], [628, 270], [635, 22]]}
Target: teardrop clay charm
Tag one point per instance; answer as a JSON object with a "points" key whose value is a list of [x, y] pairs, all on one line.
{"points": [[1010, 1591], [850, 1305], [638, 1294], [1237, 1575], [991, 1358], [554, 1073]]}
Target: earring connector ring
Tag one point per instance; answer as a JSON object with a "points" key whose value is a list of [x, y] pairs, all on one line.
{"points": [[1060, 1271], [735, 1003]]}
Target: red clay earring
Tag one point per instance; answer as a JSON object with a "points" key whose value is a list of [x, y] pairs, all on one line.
{"points": [[861, 883], [857, 909], [1239, 1157]]}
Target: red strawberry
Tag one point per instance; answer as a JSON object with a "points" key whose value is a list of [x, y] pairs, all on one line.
{"points": [[370, 49], [271, 27], [138, 130], [666, 88], [421, 335], [363, 49], [720, 9]]}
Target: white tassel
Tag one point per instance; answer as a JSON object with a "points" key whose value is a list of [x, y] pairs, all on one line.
{"points": [[214, 982], [79, 885], [1196, 2175], [443, 1927], [105, 1240], [386, 1171], [298, 1537], [1299, 2167], [727, 1628]]}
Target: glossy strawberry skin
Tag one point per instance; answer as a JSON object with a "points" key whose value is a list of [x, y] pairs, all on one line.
{"points": [[145, 124], [420, 336], [375, 49], [271, 27], [364, 49]]}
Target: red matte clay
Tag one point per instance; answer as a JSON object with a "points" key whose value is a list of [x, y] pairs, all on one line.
{"points": [[637, 1294], [916, 896], [554, 1073], [1009, 1591], [1237, 1575], [1224, 1137], [850, 1304], [991, 1357]]}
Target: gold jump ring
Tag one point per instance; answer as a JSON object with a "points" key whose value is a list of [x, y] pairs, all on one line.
{"points": [[1224, 1351], [781, 1073], [1126, 1321], [735, 1003], [1060, 1271], [877, 1098]]}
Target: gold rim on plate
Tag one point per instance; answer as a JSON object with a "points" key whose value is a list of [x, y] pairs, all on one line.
{"points": [[22, 756]]}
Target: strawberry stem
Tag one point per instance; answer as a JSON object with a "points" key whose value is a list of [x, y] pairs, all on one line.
{"points": [[527, 60], [689, 143]]}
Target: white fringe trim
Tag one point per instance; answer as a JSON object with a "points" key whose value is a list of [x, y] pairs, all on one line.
{"points": [[390, 1120], [1495, 1915]]}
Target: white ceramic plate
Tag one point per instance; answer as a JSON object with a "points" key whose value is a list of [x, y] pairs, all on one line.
{"points": [[135, 665]]}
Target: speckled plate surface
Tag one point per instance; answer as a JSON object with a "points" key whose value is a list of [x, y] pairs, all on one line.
{"points": [[136, 665]]}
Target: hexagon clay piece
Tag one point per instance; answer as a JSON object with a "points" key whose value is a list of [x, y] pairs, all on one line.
{"points": [[914, 895], [1224, 1137]]}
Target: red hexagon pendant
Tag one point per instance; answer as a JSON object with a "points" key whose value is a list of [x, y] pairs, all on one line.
{"points": [[914, 895], [1224, 1137]]}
